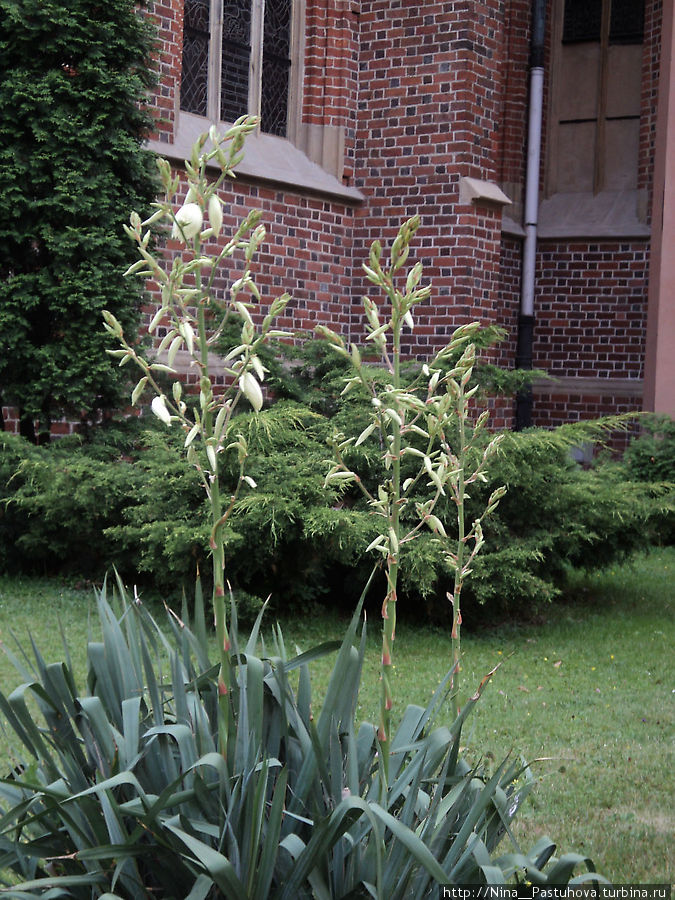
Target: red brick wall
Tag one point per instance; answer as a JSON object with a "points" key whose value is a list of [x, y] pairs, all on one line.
{"points": [[513, 119], [591, 321], [10, 419], [591, 313], [432, 92], [306, 253], [331, 69], [552, 409], [331, 64], [430, 97], [509, 297], [167, 15]]}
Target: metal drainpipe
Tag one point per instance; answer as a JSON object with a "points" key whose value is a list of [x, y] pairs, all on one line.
{"points": [[526, 317]]}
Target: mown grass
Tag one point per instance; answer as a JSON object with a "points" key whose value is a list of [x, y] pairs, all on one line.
{"points": [[587, 694]]}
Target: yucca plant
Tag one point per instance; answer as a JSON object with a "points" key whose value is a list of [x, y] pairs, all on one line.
{"points": [[172, 777], [118, 790], [430, 442]]}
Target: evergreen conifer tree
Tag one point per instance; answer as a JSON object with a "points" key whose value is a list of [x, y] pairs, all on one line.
{"points": [[73, 78]]}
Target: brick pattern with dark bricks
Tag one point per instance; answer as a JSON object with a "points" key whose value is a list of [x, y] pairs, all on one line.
{"points": [[428, 93]]}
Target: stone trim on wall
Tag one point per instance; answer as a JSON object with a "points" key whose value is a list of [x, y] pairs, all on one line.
{"points": [[615, 387]]}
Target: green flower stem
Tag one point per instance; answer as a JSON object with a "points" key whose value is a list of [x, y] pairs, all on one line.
{"points": [[390, 600], [217, 548], [456, 638]]}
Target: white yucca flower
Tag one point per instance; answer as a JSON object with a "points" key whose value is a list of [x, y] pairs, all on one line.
{"points": [[251, 390], [158, 406], [188, 221]]}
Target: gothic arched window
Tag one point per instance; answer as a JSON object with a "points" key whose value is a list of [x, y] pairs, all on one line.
{"points": [[237, 59]]}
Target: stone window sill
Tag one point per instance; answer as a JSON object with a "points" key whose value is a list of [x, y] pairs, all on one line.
{"points": [[609, 214], [267, 158]]}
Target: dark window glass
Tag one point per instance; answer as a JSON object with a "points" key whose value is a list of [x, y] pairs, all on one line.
{"points": [[583, 19], [236, 60], [627, 22], [194, 80], [276, 66], [236, 54]]}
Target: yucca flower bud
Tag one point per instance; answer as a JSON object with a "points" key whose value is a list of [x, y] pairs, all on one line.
{"points": [[188, 222], [215, 214]]}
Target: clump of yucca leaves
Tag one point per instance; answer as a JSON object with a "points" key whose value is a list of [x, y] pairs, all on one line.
{"points": [[120, 790], [170, 776]]}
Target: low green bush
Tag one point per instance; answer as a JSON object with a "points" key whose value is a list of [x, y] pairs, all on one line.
{"points": [[650, 459], [58, 503], [651, 456], [123, 497], [162, 532], [556, 515]]}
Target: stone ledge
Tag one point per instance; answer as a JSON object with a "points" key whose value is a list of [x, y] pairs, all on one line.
{"points": [[481, 193], [588, 385]]}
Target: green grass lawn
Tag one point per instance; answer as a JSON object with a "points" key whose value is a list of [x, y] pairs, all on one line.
{"points": [[587, 694]]}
